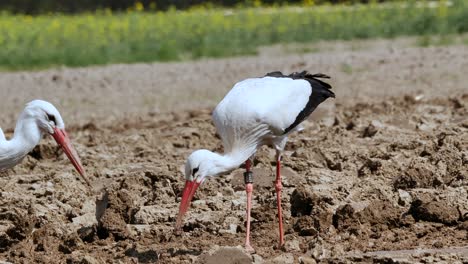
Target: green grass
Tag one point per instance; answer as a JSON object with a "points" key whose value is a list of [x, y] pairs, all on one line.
{"points": [[441, 40], [78, 40]]}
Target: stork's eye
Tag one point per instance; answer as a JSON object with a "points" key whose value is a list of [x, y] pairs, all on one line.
{"points": [[51, 118], [194, 171]]}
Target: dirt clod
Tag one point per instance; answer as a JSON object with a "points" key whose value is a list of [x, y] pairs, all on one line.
{"points": [[301, 202], [434, 211], [306, 226], [226, 255], [15, 225]]}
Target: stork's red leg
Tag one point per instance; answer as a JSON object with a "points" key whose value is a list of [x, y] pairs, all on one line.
{"points": [[249, 189], [279, 187]]}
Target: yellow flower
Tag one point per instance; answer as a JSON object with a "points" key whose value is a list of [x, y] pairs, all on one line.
{"points": [[139, 6]]}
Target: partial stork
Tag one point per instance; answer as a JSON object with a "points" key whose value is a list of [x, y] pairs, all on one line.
{"points": [[37, 119], [256, 112]]}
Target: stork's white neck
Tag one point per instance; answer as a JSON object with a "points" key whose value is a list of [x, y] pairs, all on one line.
{"points": [[229, 161], [239, 146], [242, 148], [27, 135]]}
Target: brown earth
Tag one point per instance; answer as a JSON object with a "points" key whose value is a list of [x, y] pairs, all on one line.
{"points": [[378, 176]]}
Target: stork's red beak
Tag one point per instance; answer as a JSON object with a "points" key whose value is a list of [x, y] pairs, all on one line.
{"points": [[187, 195], [61, 136]]}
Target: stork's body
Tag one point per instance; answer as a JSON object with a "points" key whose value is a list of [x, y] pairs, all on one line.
{"points": [[256, 112], [38, 118]]}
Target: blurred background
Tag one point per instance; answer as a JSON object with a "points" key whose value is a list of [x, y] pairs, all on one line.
{"points": [[38, 34], [167, 55], [70, 6]]}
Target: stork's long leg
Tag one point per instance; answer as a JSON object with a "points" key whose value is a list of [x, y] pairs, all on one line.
{"points": [[279, 187], [248, 179]]}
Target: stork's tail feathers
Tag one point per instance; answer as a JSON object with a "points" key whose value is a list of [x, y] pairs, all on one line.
{"points": [[320, 92], [314, 80], [316, 75], [308, 75]]}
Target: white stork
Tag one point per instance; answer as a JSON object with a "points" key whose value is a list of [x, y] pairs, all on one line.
{"points": [[38, 118], [256, 112]]}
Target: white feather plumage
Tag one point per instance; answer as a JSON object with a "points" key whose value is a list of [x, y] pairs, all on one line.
{"points": [[30, 127], [255, 112], [2, 136]]}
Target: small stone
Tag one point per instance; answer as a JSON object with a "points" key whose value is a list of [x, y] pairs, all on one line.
{"points": [[319, 252], [36, 186], [233, 228], [89, 260], [142, 228], [404, 198], [86, 220], [284, 259], [307, 260], [227, 191], [427, 126], [292, 245], [438, 244], [429, 259], [377, 124], [369, 131], [233, 254], [235, 205], [89, 206], [257, 259], [199, 204], [152, 214]]}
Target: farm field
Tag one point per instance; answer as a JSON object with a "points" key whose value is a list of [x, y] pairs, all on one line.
{"points": [[103, 37], [379, 175]]}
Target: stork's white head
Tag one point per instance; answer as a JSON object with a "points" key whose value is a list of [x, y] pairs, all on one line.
{"points": [[200, 164], [49, 121], [46, 115]]}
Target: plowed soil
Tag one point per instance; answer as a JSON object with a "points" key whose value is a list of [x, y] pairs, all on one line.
{"points": [[380, 175]]}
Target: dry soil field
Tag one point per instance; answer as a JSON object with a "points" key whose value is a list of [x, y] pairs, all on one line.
{"points": [[379, 175]]}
